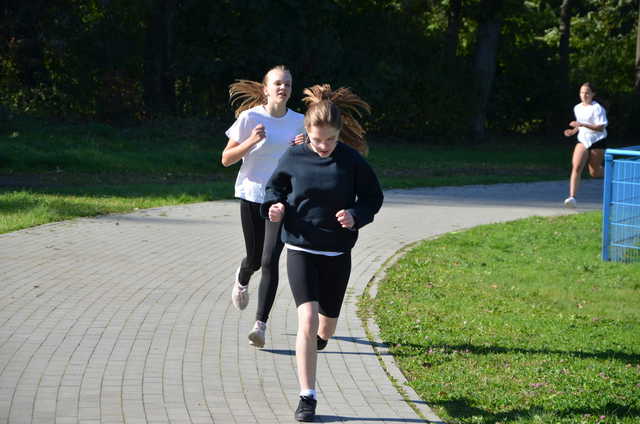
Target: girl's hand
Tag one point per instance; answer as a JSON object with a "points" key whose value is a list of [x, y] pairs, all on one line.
{"points": [[570, 132], [345, 219], [298, 140], [257, 133], [574, 124], [276, 212]]}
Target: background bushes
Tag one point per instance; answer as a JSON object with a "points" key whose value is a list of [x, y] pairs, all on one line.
{"points": [[118, 61]]}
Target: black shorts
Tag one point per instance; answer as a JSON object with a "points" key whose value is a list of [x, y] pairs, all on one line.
{"points": [[319, 278], [600, 144]]}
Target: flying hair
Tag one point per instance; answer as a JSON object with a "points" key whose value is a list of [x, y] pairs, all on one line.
{"points": [[339, 109], [247, 94]]}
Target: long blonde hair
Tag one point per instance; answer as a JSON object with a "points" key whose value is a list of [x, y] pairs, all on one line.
{"points": [[338, 109], [247, 94]]}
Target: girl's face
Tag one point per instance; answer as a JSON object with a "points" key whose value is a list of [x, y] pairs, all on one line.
{"points": [[278, 86], [586, 95], [323, 139]]}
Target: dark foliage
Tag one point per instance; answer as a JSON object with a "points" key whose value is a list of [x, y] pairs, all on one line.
{"points": [[118, 61]]}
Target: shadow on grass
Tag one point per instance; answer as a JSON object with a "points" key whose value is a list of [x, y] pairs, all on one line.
{"points": [[18, 204], [462, 408], [490, 350]]}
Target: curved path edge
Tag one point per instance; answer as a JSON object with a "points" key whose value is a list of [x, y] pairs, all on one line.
{"points": [[127, 318], [387, 360]]}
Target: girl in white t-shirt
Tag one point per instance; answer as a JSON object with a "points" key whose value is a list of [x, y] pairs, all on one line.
{"points": [[591, 127], [263, 130]]}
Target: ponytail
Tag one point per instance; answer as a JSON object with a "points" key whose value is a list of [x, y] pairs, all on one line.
{"points": [[247, 93], [337, 109]]}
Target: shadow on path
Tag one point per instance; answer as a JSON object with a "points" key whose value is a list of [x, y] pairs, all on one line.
{"points": [[359, 340], [340, 419]]}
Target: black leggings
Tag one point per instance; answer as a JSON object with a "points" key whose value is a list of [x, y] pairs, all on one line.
{"points": [[263, 246], [319, 278]]}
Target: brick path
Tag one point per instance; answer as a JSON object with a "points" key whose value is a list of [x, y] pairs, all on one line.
{"points": [[128, 319]]}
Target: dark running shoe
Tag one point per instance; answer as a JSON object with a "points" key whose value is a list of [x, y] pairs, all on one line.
{"points": [[322, 343], [306, 409]]}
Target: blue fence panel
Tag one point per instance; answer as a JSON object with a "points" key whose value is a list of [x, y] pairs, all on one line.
{"points": [[621, 205]]}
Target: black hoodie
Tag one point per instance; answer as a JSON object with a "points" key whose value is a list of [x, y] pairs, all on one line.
{"points": [[313, 189]]}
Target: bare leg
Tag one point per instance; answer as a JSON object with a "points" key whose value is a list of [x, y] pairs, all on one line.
{"points": [[580, 157], [327, 326], [306, 345], [596, 170]]}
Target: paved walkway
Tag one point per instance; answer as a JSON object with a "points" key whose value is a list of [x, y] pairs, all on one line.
{"points": [[128, 319]]}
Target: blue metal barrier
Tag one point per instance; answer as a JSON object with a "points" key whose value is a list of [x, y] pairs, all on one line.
{"points": [[621, 205]]}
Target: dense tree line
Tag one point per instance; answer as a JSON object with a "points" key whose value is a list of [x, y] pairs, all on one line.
{"points": [[428, 67]]}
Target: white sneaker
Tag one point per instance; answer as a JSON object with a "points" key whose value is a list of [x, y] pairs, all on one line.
{"points": [[257, 335], [570, 202], [239, 294]]}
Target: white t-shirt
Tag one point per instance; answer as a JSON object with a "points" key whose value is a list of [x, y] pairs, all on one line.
{"points": [[593, 114], [260, 162]]}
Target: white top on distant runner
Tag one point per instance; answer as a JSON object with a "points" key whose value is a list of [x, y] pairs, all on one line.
{"points": [[593, 114], [260, 162]]}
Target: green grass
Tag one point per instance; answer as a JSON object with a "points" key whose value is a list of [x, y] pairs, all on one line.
{"points": [[25, 208], [53, 171], [517, 323], [183, 147]]}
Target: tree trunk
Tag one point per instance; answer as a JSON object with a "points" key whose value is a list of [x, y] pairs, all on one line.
{"points": [[159, 76], [563, 49], [637, 82], [484, 69], [23, 34], [557, 117], [453, 29]]}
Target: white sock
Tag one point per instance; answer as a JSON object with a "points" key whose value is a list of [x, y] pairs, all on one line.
{"points": [[308, 393]]}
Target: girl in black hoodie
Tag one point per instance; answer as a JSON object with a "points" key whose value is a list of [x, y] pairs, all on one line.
{"points": [[323, 191]]}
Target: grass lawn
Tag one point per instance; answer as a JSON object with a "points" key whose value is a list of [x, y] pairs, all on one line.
{"points": [[514, 323], [50, 171], [517, 323], [24, 208]]}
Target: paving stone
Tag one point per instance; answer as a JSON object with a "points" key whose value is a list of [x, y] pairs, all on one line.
{"points": [[127, 318]]}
